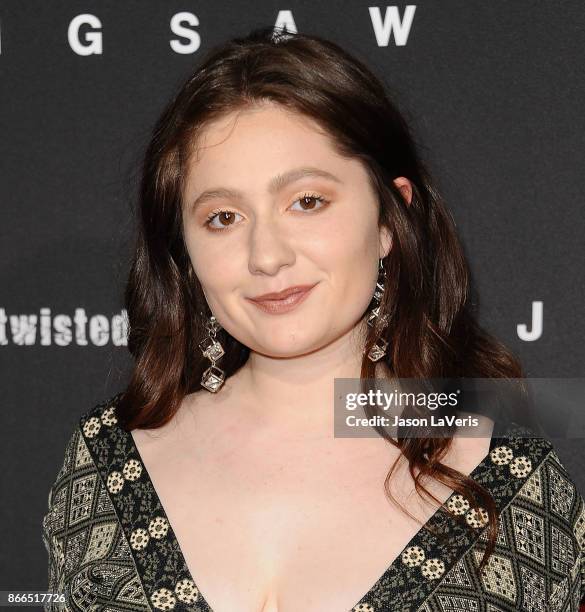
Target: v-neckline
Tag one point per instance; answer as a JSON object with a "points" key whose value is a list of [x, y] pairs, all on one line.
{"points": [[394, 564], [124, 450]]}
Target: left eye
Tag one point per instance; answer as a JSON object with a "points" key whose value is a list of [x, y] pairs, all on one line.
{"points": [[307, 198]]}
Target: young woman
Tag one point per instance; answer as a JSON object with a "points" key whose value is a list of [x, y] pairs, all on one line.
{"points": [[289, 235]]}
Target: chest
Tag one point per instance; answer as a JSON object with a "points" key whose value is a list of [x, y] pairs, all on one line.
{"points": [[285, 524]]}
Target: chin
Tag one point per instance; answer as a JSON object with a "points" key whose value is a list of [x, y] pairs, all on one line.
{"points": [[288, 347]]}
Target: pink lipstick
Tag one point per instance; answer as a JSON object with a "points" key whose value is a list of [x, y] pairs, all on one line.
{"points": [[281, 302]]}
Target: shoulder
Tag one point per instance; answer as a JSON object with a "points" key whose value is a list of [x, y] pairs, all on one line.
{"points": [[547, 489], [524, 452], [77, 476], [82, 531], [74, 446], [559, 493], [546, 517], [103, 413], [77, 459], [537, 553], [541, 518]]}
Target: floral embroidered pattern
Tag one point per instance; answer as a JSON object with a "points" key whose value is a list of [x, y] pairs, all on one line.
{"points": [[455, 544], [413, 556], [132, 469], [109, 416], [163, 599], [91, 427], [139, 539], [501, 455], [115, 481], [521, 467], [186, 591], [156, 552], [158, 527], [477, 518], [457, 504], [433, 569]]}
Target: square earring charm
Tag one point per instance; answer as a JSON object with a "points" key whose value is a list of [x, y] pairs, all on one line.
{"points": [[213, 378], [378, 350], [212, 349], [379, 292], [374, 314]]}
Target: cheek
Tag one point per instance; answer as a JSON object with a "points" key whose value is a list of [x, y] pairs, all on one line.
{"points": [[356, 282], [212, 268], [351, 281], [358, 270], [216, 274]]}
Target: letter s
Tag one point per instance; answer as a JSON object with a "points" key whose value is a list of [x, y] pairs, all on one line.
{"points": [[177, 28]]}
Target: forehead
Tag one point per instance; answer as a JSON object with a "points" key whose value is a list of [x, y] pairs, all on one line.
{"points": [[262, 137]]}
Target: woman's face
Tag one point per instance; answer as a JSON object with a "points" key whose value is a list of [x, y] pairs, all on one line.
{"points": [[252, 234]]}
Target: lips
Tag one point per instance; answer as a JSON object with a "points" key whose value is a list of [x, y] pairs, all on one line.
{"points": [[282, 295], [289, 299]]}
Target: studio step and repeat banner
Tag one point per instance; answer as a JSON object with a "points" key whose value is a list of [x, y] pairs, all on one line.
{"points": [[493, 91]]}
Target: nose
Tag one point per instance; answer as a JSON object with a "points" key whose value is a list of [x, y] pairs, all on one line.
{"points": [[270, 246]]}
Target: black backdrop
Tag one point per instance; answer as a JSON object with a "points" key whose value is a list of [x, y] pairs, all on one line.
{"points": [[494, 91]]}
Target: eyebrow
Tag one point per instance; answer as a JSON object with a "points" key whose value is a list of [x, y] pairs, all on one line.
{"points": [[276, 184]]}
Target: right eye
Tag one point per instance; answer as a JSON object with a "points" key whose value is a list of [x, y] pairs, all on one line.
{"points": [[223, 215]]}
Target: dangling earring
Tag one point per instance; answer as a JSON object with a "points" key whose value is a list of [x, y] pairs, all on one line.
{"points": [[379, 349], [214, 377]]}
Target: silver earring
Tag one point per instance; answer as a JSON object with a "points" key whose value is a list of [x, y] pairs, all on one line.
{"points": [[374, 320], [214, 377]]}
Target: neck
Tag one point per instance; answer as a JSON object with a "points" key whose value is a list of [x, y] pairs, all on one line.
{"points": [[297, 393]]}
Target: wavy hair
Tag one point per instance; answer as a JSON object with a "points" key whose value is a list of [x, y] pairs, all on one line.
{"points": [[432, 331]]}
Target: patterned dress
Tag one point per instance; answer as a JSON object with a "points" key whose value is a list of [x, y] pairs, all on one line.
{"points": [[112, 549]]}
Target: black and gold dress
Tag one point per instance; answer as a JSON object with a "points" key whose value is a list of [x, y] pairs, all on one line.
{"points": [[112, 549]]}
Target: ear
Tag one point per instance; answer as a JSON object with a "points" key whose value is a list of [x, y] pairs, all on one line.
{"points": [[385, 242], [405, 188]]}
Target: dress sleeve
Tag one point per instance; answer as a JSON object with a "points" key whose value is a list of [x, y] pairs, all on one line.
{"points": [[573, 506], [580, 535], [53, 534]]}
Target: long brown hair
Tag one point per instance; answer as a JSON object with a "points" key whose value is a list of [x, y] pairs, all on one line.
{"points": [[432, 332]]}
